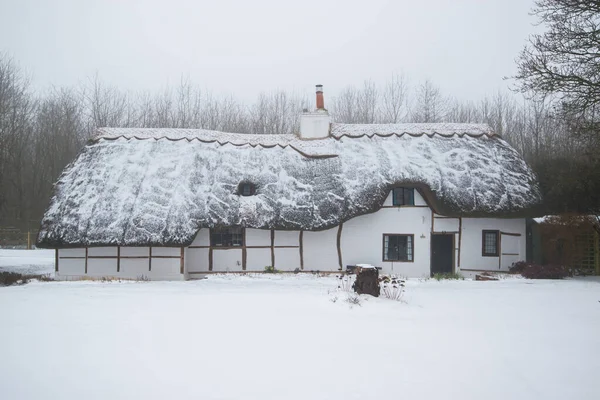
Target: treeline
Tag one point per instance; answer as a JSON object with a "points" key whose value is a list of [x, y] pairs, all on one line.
{"points": [[41, 133]]}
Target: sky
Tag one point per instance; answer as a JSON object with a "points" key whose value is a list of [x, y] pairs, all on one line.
{"points": [[241, 48]]}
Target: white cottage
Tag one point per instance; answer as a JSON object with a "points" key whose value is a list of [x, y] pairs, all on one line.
{"points": [[413, 199]]}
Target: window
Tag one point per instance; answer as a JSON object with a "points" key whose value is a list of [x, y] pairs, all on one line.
{"points": [[246, 189], [226, 237], [398, 247], [489, 243], [403, 196]]}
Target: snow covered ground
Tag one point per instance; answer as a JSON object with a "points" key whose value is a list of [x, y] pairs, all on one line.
{"points": [[35, 262], [281, 337]]}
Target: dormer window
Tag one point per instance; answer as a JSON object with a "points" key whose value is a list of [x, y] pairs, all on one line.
{"points": [[246, 189], [403, 196]]}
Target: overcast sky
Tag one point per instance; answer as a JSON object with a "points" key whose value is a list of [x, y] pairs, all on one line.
{"points": [[244, 47]]}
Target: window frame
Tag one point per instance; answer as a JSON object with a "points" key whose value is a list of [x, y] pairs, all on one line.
{"points": [[229, 232], [395, 197], [412, 247], [251, 188], [483, 234]]}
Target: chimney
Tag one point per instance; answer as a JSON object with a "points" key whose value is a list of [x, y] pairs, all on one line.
{"points": [[320, 100], [315, 124]]}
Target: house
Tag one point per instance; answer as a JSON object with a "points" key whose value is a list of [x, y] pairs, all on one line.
{"points": [[413, 199], [572, 240]]}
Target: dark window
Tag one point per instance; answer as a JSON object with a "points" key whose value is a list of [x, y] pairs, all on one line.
{"points": [[490, 243], [398, 247], [403, 196], [246, 189], [227, 237]]}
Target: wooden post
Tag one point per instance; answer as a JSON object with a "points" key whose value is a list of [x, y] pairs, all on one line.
{"points": [[459, 239], [210, 258], [118, 258], [339, 246], [55, 260], [244, 254], [182, 262], [273, 248], [301, 246], [28, 240], [150, 260], [86, 260]]}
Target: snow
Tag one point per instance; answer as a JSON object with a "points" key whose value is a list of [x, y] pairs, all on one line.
{"points": [[159, 190], [281, 337], [33, 262]]}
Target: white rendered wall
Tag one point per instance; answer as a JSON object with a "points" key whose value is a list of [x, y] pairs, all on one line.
{"points": [[258, 259], [314, 125], [362, 238], [258, 237], [202, 238], [227, 260], [287, 238], [443, 224], [196, 260], [287, 259], [471, 257], [134, 263], [320, 250]]}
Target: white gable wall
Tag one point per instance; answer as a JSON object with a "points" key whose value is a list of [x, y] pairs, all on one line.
{"points": [[362, 237]]}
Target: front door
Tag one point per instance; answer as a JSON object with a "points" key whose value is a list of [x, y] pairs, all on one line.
{"points": [[442, 254]]}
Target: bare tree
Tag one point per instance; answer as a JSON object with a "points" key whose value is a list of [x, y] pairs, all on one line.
{"points": [[394, 107], [429, 105]]}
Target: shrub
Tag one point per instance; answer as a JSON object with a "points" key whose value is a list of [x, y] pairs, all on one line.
{"points": [[345, 282], [392, 287], [518, 267], [438, 276], [353, 299], [142, 278], [269, 269], [15, 278], [537, 271]]}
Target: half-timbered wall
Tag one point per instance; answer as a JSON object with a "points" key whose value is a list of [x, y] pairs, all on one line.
{"points": [[357, 241]]}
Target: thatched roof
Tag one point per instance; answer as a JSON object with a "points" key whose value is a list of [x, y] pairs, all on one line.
{"points": [[159, 186]]}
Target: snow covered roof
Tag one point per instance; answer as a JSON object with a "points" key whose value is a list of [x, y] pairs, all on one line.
{"points": [[159, 186]]}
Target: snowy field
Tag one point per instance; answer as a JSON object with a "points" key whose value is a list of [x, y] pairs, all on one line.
{"points": [[34, 262], [281, 337]]}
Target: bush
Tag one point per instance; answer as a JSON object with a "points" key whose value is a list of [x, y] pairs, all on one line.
{"points": [[537, 271], [269, 269], [392, 287], [518, 267], [438, 276], [15, 278]]}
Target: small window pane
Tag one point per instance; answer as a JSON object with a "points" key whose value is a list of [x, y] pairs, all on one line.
{"points": [[227, 237], [490, 243], [403, 196], [398, 247]]}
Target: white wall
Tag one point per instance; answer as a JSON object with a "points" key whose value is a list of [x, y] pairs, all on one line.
{"points": [[362, 239], [471, 257], [227, 260], [287, 259], [129, 268], [257, 259], [320, 250], [443, 224], [361, 242], [258, 237], [202, 238]]}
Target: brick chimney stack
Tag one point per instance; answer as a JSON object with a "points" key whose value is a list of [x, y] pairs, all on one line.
{"points": [[315, 124], [320, 100]]}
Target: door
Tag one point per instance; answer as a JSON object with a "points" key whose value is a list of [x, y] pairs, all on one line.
{"points": [[442, 254]]}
